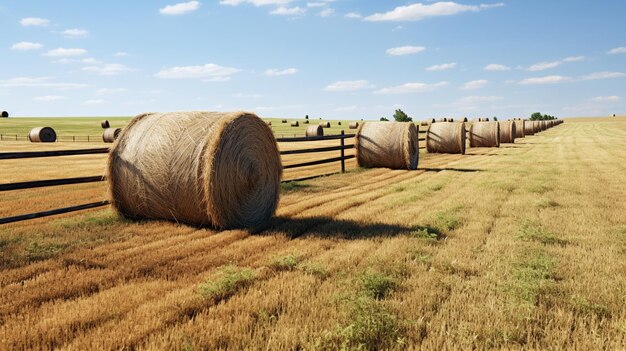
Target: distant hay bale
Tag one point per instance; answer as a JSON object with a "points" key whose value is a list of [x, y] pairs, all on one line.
{"points": [[424, 123], [306, 121], [201, 168], [484, 134], [353, 125], [42, 135], [432, 120], [313, 131], [269, 123], [5, 114], [446, 138], [295, 124], [387, 144], [529, 128], [519, 128], [450, 119], [284, 121], [105, 124], [339, 123], [465, 119], [507, 132], [325, 124], [110, 134]]}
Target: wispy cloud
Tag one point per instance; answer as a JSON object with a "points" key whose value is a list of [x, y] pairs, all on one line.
{"points": [[109, 69], [280, 72], [410, 88], [94, 102], [180, 8], [288, 11], [62, 52], [349, 85], [75, 33], [26, 46], [419, 11], [39, 82], [606, 99], [405, 50], [109, 91], [542, 66], [255, 2], [545, 80], [603, 75], [442, 67], [353, 15], [574, 58], [496, 67], [48, 98], [474, 84], [208, 71], [614, 51], [34, 22]]}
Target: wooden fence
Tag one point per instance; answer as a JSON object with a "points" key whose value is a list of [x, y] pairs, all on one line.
{"points": [[90, 179]]}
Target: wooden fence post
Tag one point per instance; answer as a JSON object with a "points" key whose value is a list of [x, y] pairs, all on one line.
{"points": [[343, 160]]}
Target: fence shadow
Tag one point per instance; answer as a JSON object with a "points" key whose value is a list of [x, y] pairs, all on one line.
{"points": [[326, 227], [464, 170]]}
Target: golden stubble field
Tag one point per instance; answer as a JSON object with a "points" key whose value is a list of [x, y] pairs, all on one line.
{"points": [[521, 247]]}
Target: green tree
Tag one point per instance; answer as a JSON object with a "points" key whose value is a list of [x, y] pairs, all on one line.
{"points": [[536, 116], [383, 119], [495, 118], [400, 116]]}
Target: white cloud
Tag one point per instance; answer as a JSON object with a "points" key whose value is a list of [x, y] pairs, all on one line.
{"points": [[180, 8], [34, 22], [474, 84], [405, 50], [496, 67], [255, 2], [109, 69], [542, 66], [545, 80], [411, 88], [208, 71], [48, 98], [419, 11], [442, 67], [75, 33], [279, 72], [603, 75], [121, 54], [62, 52], [349, 85], [613, 98], [316, 4], [93, 102], [574, 58], [26, 45], [108, 91], [353, 15], [327, 12], [620, 50], [88, 60], [288, 11], [38, 82]]}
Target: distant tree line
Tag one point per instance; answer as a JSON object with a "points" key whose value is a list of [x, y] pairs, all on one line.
{"points": [[398, 116], [538, 116]]}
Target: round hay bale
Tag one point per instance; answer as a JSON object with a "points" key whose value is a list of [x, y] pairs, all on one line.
{"points": [[269, 123], [484, 134], [465, 119], [339, 123], [451, 120], [5, 114], [432, 120], [544, 125], [424, 123], [387, 144], [529, 128], [507, 132], [519, 128], [201, 168], [295, 124], [105, 124], [42, 135], [110, 134], [284, 121], [325, 124], [353, 125], [446, 138], [306, 121], [313, 131], [536, 126]]}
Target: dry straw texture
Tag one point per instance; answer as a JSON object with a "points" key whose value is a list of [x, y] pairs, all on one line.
{"points": [[536, 126], [5, 114], [295, 124], [484, 134], [529, 128], [105, 124], [507, 132], [201, 168], [42, 135], [519, 128], [312, 131], [325, 124], [353, 125], [446, 138], [111, 134], [387, 144]]}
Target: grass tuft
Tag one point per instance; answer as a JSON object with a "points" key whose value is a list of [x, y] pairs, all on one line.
{"points": [[377, 285], [228, 281], [284, 263], [293, 186], [531, 232], [447, 220]]}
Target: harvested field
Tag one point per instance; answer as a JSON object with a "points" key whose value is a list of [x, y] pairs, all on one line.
{"points": [[523, 246]]}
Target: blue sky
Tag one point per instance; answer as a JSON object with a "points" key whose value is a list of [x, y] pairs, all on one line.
{"points": [[346, 59]]}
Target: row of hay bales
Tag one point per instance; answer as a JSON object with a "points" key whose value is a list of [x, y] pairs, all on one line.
{"points": [[49, 135], [224, 169]]}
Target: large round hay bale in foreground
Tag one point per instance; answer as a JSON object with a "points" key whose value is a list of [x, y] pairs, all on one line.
{"points": [[201, 168], [353, 125], [529, 128], [110, 134], [507, 132], [325, 124], [295, 124], [314, 131], [446, 138], [387, 144], [5, 114], [42, 135], [519, 128], [105, 124], [484, 134]]}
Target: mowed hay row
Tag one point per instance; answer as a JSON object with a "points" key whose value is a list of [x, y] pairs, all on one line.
{"points": [[520, 128], [42, 135], [446, 138], [387, 144], [507, 132], [314, 131], [484, 134], [201, 168]]}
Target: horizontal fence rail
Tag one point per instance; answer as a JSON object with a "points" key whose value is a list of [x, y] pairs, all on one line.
{"points": [[50, 182], [53, 212], [318, 149], [318, 162], [315, 138], [53, 153]]}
